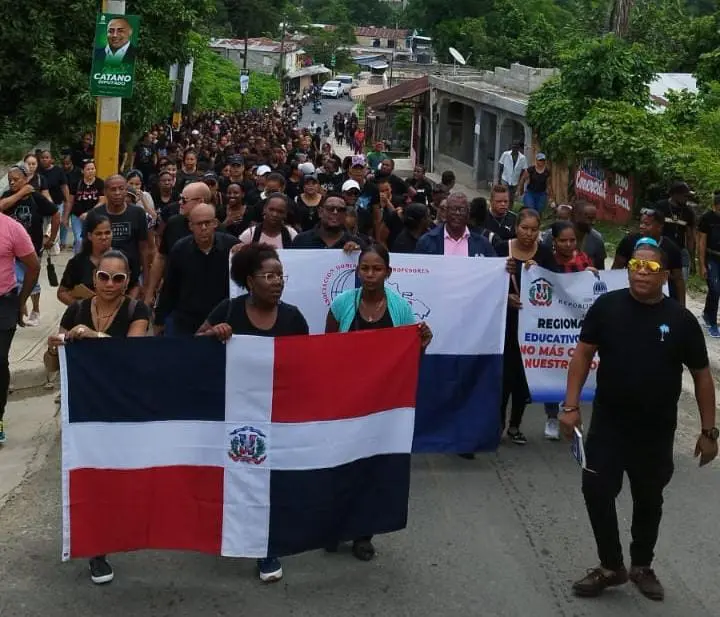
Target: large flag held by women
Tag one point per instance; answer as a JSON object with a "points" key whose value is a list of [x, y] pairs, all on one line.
{"points": [[463, 300], [258, 447]]}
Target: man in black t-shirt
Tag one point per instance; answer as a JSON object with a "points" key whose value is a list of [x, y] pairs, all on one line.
{"points": [[57, 184], [129, 227], [708, 238], [144, 158], [643, 340], [500, 220], [651, 226], [420, 188], [679, 222]]}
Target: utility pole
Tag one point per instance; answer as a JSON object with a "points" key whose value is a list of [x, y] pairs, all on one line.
{"points": [[392, 56], [281, 67], [177, 102], [244, 71], [109, 112]]}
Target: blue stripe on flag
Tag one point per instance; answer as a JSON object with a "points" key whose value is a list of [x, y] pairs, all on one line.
{"points": [[313, 509], [149, 380], [458, 403]]}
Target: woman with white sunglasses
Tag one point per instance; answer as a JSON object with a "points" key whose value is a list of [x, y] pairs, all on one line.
{"points": [[109, 313]]}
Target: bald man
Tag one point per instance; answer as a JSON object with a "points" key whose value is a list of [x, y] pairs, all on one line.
{"points": [[118, 50], [176, 229], [196, 277], [129, 227]]}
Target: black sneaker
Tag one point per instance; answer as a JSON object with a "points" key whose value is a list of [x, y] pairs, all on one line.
{"points": [[517, 437], [648, 584], [468, 456], [598, 580], [101, 571], [363, 550]]}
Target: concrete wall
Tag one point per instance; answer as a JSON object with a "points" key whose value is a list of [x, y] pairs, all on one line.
{"points": [[259, 61], [368, 41]]}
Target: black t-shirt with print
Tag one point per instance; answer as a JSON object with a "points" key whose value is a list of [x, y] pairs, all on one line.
{"points": [[290, 320], [129, 229], [80, 313], [677, 221], [710, 225], [54, 180], [87, 196], [642, 349], [303, 215], [29, 212]]}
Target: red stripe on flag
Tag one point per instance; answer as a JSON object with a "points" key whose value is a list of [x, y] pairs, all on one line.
{"points": [[118, 510], [345, 375]]}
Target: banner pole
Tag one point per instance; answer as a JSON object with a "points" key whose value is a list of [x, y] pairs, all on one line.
{"points": [[109, 110]]}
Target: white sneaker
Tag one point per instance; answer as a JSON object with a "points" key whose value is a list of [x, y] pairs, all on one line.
{"points": [[552, 429], [33, 319]]}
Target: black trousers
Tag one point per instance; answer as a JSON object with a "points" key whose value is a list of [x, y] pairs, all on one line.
{"points": [[514, 384], [6, 337], [649, 467]]}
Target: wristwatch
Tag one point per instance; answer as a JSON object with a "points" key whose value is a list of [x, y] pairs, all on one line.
{"points": [[711, 433]]}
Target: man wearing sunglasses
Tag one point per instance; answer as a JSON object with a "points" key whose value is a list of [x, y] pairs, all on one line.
{"points": [[643, 340], [330, 233], [651, 226]]}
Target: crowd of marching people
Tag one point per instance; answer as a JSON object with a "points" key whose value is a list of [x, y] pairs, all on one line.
{"points": [[153, 246]]}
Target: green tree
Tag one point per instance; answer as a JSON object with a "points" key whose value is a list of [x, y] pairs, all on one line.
{"points": [[45, 68]]}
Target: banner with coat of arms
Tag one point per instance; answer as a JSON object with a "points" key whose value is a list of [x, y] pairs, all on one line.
{"points": [[554, 306]]}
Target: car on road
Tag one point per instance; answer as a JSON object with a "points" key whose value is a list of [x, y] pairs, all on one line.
{"points": [[347, 83], [332, 89]]}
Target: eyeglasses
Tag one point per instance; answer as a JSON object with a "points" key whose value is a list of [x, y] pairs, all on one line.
{"points": [[457, 210], [272, 277], [116, 277], [184, 200], [334, 209], [648, 211], [651, 266]]}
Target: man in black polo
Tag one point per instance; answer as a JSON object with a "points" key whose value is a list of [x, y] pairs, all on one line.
{"points": [[331, 232], [500, 220], [197, 274], [643, 340]]}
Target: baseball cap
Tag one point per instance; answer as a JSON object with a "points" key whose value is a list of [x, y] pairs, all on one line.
{"points": [[236, 159], [348, 185], [311, 177], [306, 169], [210, 175], [262, 170], [415, 212], [358, 160], [540, 156]]}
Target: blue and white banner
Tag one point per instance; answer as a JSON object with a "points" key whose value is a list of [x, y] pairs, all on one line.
{"points": [[554, 306], [464, 302]]}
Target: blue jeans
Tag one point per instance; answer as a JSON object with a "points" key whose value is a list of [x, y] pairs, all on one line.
{"points": [[685, 254], [20, 270], [534, 200], [713, 292], [63, 230], [77, 228]]}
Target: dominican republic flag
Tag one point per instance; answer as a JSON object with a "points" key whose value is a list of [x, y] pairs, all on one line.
{"points": [[463, 300], [259, 447]]}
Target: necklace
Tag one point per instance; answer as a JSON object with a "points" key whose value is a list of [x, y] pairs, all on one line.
{"points": [[103, 321], [373, 315]]}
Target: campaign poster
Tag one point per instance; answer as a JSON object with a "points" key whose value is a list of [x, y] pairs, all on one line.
{"points": [[114, 55]]}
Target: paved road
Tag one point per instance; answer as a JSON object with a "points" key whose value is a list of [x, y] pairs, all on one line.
{"points": [[330, 108], [503, 535]]}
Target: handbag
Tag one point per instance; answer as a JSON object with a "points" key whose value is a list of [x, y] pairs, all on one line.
{"points": [[51, 273]]}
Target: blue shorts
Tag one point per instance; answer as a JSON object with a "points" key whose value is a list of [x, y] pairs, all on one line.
{"points": [[20, 275]]}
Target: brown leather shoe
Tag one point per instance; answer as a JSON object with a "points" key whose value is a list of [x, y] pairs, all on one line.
{"points": [[598, 580], [646, 581]]}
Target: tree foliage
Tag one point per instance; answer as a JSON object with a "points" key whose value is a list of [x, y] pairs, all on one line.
{"points": [[46, 54], [216, 84]]}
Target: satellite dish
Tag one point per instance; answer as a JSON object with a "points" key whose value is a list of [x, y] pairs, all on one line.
{"points": [[457, 56]]}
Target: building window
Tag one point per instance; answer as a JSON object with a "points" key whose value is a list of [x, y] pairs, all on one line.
{"points": [[267, 61], [391, 43], [376, 43]]}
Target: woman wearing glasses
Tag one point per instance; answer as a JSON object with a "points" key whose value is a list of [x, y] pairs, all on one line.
{"points": [[110, 313], [259, 312]]}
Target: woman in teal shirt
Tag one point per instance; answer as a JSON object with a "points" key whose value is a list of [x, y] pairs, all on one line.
{"points": [[370, 307]]}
